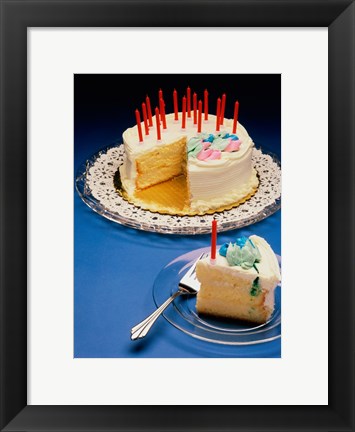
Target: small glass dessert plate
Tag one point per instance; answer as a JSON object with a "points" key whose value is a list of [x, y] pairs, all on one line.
{"points": [[182, 313]]}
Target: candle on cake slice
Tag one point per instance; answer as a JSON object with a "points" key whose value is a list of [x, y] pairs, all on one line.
{"points": [[213, 241]]}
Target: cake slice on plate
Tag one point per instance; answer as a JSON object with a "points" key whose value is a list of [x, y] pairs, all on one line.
{"points": [[240, 282]]}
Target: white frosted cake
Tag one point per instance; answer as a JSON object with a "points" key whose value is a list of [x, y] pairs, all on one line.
{"points": [[217, 164], [240, 284]]}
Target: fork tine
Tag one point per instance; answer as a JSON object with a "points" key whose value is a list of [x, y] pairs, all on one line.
{"points": [[192, 268]]}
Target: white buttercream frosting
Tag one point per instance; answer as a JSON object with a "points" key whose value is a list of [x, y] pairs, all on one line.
{"points": [[212, 183]]}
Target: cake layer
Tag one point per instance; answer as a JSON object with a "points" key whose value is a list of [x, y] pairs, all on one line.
{"points": [[161, 164], [242, 311], [235, 297]]}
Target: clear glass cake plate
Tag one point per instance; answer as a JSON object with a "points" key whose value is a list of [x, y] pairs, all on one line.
{"points": [[95, 185]]}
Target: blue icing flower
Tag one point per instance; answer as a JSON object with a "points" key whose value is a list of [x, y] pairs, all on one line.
{"points": [[223, 249], [233, 136], [210, 138], [241, 241]]}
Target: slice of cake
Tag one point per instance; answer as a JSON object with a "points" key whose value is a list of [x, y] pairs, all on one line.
{"points": [[240, 283]]}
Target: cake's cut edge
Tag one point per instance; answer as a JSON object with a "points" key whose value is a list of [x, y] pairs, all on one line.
{"points": [[160, 164]]}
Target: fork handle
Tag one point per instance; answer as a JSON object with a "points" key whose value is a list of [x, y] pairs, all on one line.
{"points": [[141, 329]]}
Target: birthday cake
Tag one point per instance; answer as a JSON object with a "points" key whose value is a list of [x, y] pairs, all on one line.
{"points": [[209, 154], [240, 282]]}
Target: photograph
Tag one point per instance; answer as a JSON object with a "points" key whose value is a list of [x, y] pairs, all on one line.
{"points": [[177, 215], [177, 252]]}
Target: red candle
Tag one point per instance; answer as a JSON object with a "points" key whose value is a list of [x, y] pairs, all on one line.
{"points": [[149, 110], [188, 102], [223, 107], [235, 120], [199, 121], [183, 112], [162, 112], [145, 119], [214, 240], [160, 96], [195, 107], [218, 114], [158, 123], [206, 104], [139, 126], [176, 116]]}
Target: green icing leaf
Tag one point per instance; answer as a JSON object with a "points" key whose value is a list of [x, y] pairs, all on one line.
{"points": [[219, 144], [193, 143], [195, 151], [233, 255], [255, 289], [194, 146]]}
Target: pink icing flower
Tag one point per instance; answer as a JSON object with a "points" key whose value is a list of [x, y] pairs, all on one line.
{"points": [[216, 154], [205, 145], [204, 154], [233, 145]]}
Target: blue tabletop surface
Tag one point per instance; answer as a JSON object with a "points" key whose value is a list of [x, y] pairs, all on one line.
{"points": [[112, 292]]}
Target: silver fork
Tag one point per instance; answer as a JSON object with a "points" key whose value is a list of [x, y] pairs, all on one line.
{"points": [[187, 285]]}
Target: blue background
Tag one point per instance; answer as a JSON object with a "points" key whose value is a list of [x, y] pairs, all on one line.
{"points": [[110, 294]]}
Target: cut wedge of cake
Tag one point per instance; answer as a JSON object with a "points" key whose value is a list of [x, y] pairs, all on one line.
{"points": [[240, 284]]}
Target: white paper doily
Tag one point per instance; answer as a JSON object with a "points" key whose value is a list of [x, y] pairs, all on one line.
{"points": [[94, 183]]}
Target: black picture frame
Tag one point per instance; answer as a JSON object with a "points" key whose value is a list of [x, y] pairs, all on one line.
{"points": [[16, 17]]}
